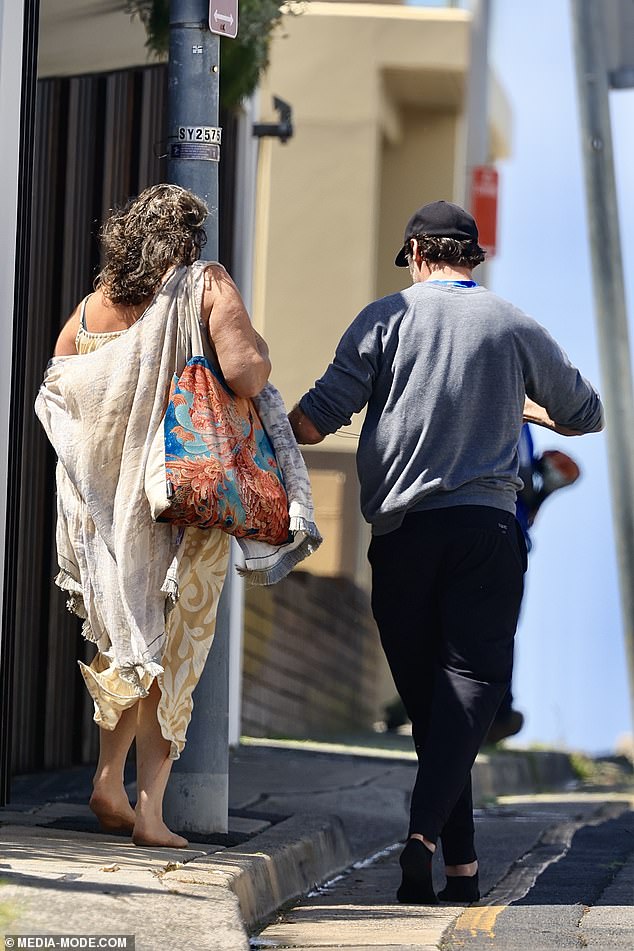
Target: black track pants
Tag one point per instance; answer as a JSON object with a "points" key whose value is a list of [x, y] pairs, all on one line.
{"points": [[446, 593]]}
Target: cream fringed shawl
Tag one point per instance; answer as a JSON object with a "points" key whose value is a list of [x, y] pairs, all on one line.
{"points": [[100, 411]]}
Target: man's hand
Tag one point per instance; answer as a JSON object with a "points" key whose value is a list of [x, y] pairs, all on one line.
{"points": [[534, 413], [304, 430]]}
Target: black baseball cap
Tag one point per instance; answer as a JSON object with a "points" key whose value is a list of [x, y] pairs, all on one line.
{"points": [[440, 219]]}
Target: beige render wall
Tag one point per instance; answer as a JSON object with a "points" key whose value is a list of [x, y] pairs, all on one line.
{"points": [[418, 170], [319, 263], [81, 36], [377, 93], [349, 71]]}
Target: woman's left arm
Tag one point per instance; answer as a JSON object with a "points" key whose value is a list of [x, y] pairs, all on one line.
{"points": [[242, 354]]}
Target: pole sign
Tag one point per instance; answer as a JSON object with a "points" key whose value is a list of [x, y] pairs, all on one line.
{"points": [[484, 205], [223, 17], [203, 151], [199, 133], [197, 142]]}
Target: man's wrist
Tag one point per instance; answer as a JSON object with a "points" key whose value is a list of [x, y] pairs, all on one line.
{"points": [[304, 430]]}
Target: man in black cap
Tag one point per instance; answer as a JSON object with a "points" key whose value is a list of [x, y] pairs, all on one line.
{"points": [[444, 368]]}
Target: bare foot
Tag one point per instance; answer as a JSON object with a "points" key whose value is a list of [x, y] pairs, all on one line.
{"points": [[157, 834], [115, 814]]}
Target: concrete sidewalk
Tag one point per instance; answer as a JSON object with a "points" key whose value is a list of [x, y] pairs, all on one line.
{"points": [[299, 814]]}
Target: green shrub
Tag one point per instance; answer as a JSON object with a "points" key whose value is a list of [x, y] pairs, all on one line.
{"points": [[241, 60]]}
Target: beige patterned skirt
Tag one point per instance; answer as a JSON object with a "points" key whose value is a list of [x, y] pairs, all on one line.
{"points": [[190, 625], [190, 632]]}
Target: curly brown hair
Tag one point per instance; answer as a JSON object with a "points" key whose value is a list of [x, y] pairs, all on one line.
{"points": [[162, 228], [452, 251]]}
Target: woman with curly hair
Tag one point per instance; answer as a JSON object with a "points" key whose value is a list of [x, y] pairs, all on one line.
{"points": [[148, 591]]}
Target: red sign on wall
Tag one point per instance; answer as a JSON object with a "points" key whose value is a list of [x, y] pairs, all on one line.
{"points": [[484, 205]]}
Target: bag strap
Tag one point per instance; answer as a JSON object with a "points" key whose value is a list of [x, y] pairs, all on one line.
{"points": [[193, 316], [197, 338]]}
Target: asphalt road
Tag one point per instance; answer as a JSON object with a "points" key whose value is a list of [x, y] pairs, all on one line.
{"points": [[557, 872]]}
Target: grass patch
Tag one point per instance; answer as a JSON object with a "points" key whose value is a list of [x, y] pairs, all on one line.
{"points": [[583, 767], [8, 915], [8, 912]]}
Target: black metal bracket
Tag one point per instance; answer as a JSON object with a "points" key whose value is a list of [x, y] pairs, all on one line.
{"points": [[282, 130]]}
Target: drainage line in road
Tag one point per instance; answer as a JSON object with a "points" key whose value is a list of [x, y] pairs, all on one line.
{"points": [[364, 863]]}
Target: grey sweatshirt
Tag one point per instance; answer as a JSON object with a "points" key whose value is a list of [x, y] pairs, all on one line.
{"points": [[444, 370]]}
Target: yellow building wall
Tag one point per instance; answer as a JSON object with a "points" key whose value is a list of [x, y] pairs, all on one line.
{"points": [[377, 93], [349, 71], [424, 158], [319, 248], [81, 36], [328, 497]]}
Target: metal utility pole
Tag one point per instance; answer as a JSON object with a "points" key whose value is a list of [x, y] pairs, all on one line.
{"points": [[193, 108], [197, 795], [480, 181], [589, 26], [477, 93]]}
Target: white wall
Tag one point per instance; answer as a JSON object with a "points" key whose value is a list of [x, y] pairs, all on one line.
{"points": [[11, 25]]}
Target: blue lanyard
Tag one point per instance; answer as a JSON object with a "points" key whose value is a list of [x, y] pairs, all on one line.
{"points": [[455, 283]]}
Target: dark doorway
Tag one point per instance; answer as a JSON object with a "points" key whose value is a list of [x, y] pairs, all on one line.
{"points": [[98, 140]]}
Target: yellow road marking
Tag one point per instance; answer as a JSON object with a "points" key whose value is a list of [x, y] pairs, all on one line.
{"points": [[481, 919], [478, 920]]}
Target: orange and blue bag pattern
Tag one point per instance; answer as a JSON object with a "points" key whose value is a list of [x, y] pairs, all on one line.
{"points": [[220, 465]]}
